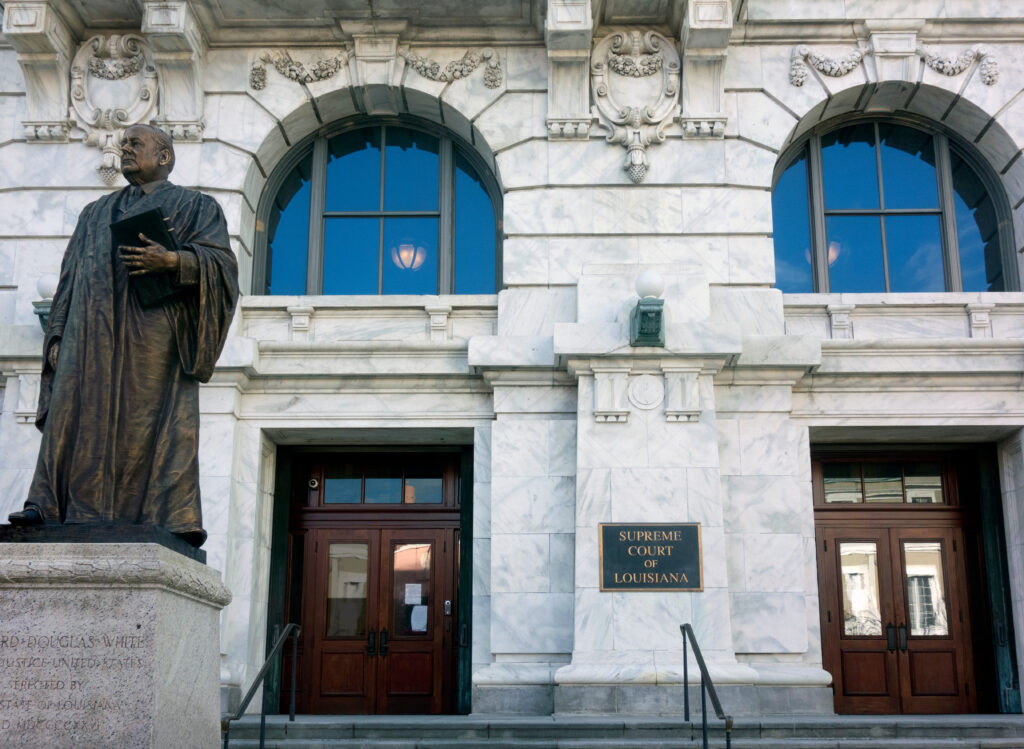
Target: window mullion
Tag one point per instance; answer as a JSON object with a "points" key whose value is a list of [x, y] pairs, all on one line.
{"points": [[317, 193], [380, 205], [819, 238], [881, 205], [446, 227], [951, 244]]}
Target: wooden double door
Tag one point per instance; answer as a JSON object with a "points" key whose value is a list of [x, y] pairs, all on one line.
{"points": [[380, 617], [895, 622], [373, 579]]}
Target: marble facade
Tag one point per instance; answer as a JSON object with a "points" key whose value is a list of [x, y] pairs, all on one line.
{"points": [[538, 377]]}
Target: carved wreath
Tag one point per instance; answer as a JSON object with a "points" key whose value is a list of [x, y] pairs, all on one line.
{"points": [[833, 67], [320, 70], [948, 65], [121, 57], [460, 68], [951, 65]]}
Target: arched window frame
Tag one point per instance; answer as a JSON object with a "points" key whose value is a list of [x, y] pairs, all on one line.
{"points": [[943, 139], [316, 143]]}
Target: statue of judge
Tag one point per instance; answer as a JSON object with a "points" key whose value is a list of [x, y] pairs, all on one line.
{"points": [[119, 400]]}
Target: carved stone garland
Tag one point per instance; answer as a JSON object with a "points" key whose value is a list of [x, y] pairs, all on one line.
{"points": [[113, 86], [634, 78], [320, 70], [457, 69], [948, 65]]}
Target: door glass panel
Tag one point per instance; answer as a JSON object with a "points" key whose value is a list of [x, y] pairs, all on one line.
{"points": [[842, 483], [926, 589], [383, 485], [346, 590], [924, 483], [883, 483], [411, 564], [862, 614]]}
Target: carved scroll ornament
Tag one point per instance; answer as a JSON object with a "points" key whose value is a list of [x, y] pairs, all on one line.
{"points": [[320, 70], [460, 68], [634, 78], [113, 86]]}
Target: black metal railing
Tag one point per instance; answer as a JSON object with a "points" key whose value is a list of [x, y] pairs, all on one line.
{"points": [[293, 631], [707, 688]]}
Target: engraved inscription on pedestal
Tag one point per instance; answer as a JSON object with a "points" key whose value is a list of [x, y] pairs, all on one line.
{"points": [[56, 684]]}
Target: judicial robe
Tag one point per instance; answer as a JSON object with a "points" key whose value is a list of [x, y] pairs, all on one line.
{"points": [[120, 415]]}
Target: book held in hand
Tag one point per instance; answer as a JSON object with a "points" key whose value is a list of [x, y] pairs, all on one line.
{"points": [[151, 289]]}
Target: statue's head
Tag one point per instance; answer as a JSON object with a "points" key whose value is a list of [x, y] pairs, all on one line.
{"points": [[147, 154]]}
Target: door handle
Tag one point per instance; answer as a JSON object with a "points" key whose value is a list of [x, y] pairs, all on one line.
{"points": [[371, 643], [890, 637], [384, 643], [903, 638]]}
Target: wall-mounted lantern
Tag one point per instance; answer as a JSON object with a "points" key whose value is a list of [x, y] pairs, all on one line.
{"points": [[647, 320]]}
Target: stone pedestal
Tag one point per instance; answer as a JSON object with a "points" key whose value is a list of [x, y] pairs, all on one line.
{"points": [[108, 646]]}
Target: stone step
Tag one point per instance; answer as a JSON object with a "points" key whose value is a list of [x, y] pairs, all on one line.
{"points": [[574, 732], [716, 743]]}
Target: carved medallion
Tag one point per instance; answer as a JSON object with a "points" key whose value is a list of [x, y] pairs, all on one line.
{"points": [[634, 78], [646, 392], [113, 86]]}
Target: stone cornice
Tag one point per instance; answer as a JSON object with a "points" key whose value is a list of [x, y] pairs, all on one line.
{"points": [[110, 566]]}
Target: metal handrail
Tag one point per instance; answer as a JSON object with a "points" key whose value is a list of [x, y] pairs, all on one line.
{"points": [[707, 687], [225, 724]]}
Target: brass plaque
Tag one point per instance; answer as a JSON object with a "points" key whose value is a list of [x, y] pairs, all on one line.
{"points": [[654, 556]]}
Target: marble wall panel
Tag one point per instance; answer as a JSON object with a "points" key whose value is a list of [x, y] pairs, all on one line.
{"points": [[743, 67], [768, 445], [481, 509], [216, 439], [763, 119], [748, 164], [754, 311], [533, 504], [520, 447], [531, 622], [713, 553], [708, 210], [561, 547], [606, 210], [12, 112], [712, 622], [524, 165], [769, 622], [774, 563], [540, 399], [737, 400], [526, 68], [649, 495], [759, 504], [11, 79], [525, 261], [950, 324], [728, 446], [481, 630], [703, 496], [239, 120], [593, 497], [594, 622], [520, 563], [587, 557], [751, 260], [562, 448], [705, 255], [648, 621], [533, 311], [513, 119]]}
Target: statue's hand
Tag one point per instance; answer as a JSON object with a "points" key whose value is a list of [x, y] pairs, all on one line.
{"points": [[52, 354], [152, 257]]}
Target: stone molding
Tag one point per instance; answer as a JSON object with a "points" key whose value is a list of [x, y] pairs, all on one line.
{"points": [[635, 109], [110, 565], [178, 48], [106, 105], [621, 387], [704, 39]]}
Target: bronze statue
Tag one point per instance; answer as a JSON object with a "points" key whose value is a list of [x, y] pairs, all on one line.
{"points": [[119, 401]]}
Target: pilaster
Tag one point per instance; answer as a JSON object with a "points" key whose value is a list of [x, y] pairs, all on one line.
{"points": [[179, 48], [704, 38], [45, 46], [567, 32]]}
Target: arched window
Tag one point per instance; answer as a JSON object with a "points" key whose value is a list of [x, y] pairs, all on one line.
{"points": [[381, 207], [882, 206]]}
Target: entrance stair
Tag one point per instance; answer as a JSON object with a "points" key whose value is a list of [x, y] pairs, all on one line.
{"points": [[630, 732]]}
